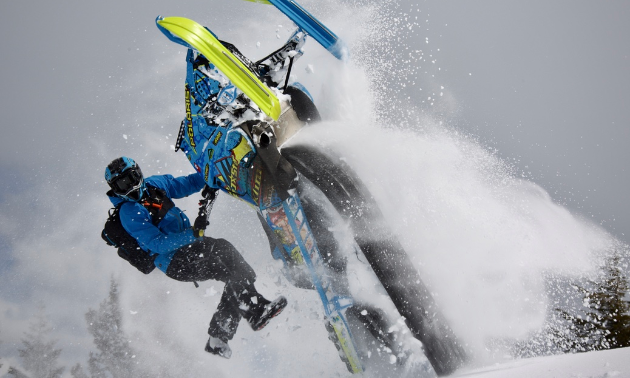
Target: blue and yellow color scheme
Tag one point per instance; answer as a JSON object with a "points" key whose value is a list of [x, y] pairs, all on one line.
{"points": [[227, 158], [288, 221], [190, 34]]}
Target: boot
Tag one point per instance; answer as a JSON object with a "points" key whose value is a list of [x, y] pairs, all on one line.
{"points": [[258, 316], [219, 347]]}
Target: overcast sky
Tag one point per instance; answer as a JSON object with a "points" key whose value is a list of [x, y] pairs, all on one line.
{"points": [[543, 84], [547, 84]]}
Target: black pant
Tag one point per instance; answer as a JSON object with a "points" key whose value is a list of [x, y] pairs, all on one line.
{"points": [[218, 259]]}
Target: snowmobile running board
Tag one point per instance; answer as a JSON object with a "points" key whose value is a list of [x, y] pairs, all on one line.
{"points": [[311, 25], [190, 34]]}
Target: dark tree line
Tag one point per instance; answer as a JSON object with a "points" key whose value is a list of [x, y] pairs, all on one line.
{"points": [[588, 315], [113, 358], [38, 353], [605, 323]]}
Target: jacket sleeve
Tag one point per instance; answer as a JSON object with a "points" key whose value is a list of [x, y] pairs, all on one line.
{"points": [[137, 221], [178, 187]]}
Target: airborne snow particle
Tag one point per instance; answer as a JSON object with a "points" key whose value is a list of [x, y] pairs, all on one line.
{"points": [[210, 292]]}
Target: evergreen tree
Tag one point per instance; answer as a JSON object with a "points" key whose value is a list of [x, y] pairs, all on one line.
{"points": [[39, 354], [588, 314], [114, 357], [15, 373], [10, 371], [607, 316], [78, 372], [605, 322]]}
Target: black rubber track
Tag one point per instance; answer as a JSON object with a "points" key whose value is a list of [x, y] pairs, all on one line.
{"points": [[385, 254]]}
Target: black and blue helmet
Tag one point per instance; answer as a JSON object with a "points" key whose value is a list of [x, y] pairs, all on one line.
{"points": [[125, 178]]}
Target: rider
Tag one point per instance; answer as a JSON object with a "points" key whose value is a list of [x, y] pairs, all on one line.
{"points": [[182, 252]]}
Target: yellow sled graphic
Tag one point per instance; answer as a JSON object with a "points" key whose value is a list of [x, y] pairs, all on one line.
{"points": [[203, 41]]}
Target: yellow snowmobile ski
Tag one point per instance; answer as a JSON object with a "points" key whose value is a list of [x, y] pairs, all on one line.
{"points": [[202, 40]]}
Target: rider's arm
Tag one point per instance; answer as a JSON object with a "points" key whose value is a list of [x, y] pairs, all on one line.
{"points": [[178, 187], [137, 221]]}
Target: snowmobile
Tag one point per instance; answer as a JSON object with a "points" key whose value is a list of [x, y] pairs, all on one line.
{"points": [[238, 120]]}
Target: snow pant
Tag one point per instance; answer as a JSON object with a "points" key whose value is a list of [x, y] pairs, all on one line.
{"points": [[218, 259]]}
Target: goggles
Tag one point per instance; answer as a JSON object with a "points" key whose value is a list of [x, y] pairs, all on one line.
{"points": [[127, 182]]}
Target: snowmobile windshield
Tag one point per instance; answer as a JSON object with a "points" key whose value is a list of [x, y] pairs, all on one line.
{"points": [[127, 182]]}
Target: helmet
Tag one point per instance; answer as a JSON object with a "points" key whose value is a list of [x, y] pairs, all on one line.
{"points": [[125, 178]]}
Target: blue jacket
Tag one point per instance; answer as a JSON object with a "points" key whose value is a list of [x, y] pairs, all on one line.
{"points": [[174, 231]]}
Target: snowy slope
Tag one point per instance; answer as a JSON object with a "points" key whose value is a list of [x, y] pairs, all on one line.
{"points": [[602, 364]]}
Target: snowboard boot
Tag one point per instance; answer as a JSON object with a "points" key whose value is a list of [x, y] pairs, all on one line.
{"points": [[259, 316], [219, 347]]}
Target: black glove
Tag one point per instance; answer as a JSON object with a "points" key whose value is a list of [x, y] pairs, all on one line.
{"points": [[209, 193], [200, 224]]}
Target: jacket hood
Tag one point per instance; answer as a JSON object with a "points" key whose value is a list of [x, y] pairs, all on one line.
{"points": [[115, 199]]}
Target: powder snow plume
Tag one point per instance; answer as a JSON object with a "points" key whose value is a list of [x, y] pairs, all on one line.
{"points": [[485, 239]]}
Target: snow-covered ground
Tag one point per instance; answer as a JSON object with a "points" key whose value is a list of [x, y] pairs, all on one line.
{"points": [[601, 364]]}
